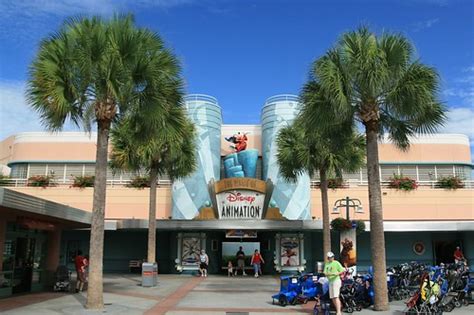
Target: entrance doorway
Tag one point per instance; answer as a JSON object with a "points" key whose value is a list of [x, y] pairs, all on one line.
{"points": [[229, 253], [444, 250], [23, 269]]}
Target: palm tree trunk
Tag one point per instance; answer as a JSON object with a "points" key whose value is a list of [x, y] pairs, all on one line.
{"points": [[95, 289], [152, 217], [325, 204], [377, 237]]}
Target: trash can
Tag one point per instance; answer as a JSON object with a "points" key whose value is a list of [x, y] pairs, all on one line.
{"points": [[149, 274], [320, 266]]}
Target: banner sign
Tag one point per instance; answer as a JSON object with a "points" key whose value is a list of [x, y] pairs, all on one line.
{"points": [[240, 204], [240, 183], [241, 234]]}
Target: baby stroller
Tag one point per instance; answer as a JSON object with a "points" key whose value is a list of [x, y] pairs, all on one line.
{"points": [[63, 279], [424, 301]]}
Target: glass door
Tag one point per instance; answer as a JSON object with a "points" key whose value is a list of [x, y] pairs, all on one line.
{"points": [[23, 268]]}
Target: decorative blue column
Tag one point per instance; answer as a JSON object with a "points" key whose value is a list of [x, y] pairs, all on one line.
{"points": [[191, 194], [293, 199]]}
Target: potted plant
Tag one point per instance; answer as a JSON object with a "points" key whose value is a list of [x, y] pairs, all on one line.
{"points": [[41, 181], [139, 182], [450, 182], [341, 224], [83, 181], [402, 182], [4, 180]]}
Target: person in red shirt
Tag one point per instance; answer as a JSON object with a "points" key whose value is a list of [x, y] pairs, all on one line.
{"points": [[257, 261], [80, 263], [458, 255]]}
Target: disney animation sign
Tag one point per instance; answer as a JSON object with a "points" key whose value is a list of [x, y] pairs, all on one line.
{"points": [[240, 199]]}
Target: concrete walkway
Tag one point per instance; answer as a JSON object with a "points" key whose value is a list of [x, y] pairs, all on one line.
{"points": [[175, 295]]}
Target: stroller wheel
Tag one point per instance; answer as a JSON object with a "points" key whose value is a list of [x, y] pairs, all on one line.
{"points": [[448, 307], [457, 303], [349, 310], [282, 300], [359, 308]]}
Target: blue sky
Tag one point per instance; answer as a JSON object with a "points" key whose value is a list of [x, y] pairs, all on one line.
{"points": [[243, 52]]}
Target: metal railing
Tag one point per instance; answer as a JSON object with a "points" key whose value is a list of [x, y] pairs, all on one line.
{"points": [[23, 182], [200, 97], [347, 184], [350, 183], [282, 98]]}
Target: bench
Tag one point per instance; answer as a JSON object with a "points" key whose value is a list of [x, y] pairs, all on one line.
{"points": [[134, 265], [246, 269]]}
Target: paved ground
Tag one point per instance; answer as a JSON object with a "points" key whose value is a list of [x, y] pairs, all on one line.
{"points": [[175, 295]]}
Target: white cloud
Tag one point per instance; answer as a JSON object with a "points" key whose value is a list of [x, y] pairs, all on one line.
{"points": [[25, 20], [15, 114], [461, 120], [425, 24], [70, 7], [463, 87]]}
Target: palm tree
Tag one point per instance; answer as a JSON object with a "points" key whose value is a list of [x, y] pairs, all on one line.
{"points": [[96, 71], [169, 150], [376, 81], [303, 148]]}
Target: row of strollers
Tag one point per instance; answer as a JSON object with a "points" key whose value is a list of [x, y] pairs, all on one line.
{"points": [[426, 289]]}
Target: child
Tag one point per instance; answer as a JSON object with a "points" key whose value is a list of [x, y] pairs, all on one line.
{"points": [[230, 268]]}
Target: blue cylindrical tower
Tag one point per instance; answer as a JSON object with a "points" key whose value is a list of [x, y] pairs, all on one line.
{"points": [[293, 199], [191, 193]]}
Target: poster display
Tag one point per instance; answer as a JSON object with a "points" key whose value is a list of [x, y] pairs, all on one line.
{"points": [[190, 251], [348, 249], [290, 251]]}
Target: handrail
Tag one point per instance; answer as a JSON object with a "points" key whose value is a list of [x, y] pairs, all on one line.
{"points": [[201, 97], [349, 183], [281, 98], [23, 182]]}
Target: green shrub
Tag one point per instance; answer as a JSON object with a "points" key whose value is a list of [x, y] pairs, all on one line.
{"points": [[341, 224], [41, 181], [4, 180], [334, 183], [450, 182], [402, 183], [139, 182], [83, 181]]}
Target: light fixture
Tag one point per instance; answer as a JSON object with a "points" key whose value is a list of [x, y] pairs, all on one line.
{"points": [[359, 209], [335, 210]]}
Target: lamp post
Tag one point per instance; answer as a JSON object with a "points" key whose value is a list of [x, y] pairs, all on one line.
{"points": [[348, 203], [348, 238]]}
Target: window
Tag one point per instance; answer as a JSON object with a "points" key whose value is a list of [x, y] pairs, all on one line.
{"points": [[426, 173], [57, 170], [73, 170], [387, 171], [408, 170], [462, 171], [89, 169], [444, 170], [37, 169], [19, 170], [351, 176]]}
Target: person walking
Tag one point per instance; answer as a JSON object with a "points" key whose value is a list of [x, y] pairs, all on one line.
{"points": [[256, 262], [204, 263], [240, 261], [333, 271], [458, 256], [80, 262]]}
